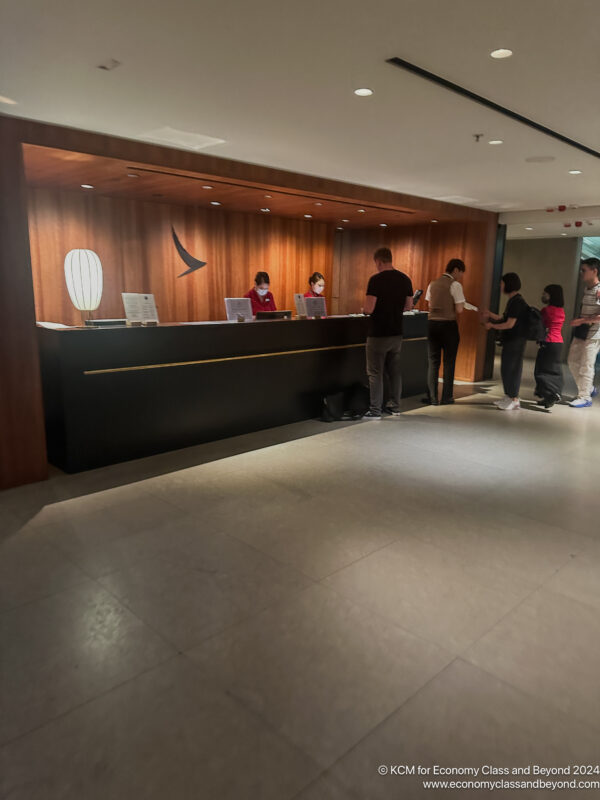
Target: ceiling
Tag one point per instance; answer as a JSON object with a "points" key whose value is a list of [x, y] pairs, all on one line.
{"points": [[275, 82]]}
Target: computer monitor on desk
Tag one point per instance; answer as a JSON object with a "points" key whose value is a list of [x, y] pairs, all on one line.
{"points": [[273, 315]]}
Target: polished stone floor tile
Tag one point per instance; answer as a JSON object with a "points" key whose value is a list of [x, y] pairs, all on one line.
{"points": [[465, 717], [549, 646], [165, 734], [200, 585], [31, 568], [321, 670], [579, 579], [63, 650], [430, 592]]}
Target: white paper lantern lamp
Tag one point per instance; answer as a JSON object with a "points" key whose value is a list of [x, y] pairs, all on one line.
{"points": [[83, 274]]}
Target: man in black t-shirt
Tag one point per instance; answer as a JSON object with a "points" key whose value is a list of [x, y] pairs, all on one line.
{"points": [[389, 295]]}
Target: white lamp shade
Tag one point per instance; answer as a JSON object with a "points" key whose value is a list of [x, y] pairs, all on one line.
{"points": [[83, 274]]}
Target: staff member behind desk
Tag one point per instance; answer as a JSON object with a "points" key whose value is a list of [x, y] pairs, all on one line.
{"points": [[317, 285], [513, 324], [389, 295], [260, 296], [446, 300]]}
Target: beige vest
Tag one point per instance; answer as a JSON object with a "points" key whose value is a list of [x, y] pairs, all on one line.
{"points": [[441, 302]]}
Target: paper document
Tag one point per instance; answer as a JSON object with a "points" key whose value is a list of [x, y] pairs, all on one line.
{"points": [[315, 307], [139, 308]]}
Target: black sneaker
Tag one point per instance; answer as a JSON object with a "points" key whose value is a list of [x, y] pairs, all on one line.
{"points": [[372, 415], [449, 402]]}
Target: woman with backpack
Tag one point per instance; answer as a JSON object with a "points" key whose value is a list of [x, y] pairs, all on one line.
{"points": [[514, 324], [548, 364]]}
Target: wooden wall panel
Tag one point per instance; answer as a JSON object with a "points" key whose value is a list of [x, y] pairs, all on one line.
{"points": [[22, 437], [422, 252], [133, 241]]}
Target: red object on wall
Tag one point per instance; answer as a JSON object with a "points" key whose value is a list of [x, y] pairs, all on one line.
{"points": [[549, 210], [562, 208], [578, 224], [566, 225]]}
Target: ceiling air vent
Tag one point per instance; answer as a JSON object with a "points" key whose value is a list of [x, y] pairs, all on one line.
{"points": [[184, 140]]}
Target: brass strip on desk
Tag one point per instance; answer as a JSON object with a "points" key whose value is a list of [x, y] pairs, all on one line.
{"points": [[219, 360], [231, 358]]}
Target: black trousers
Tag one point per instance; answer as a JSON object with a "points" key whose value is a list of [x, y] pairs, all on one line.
{"points": [[548, 371], [511, 365], [443, 339]]}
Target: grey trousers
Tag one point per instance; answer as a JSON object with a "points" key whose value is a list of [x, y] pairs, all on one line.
{"points": [[383, 360]]}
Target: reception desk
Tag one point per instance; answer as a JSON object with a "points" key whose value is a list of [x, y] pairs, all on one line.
{"points": [[113, 394]]}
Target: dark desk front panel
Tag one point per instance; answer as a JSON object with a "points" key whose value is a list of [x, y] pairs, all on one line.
{"points": [[116, 394]]}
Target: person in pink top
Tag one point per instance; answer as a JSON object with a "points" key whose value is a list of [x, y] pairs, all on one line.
{"points": [[548, 364]]}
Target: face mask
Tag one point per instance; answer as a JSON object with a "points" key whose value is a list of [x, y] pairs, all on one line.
{"points": [[262, 292], [318, 289]]}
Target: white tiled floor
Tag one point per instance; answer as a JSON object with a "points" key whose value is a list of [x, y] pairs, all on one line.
{"points": [[273, 617]]}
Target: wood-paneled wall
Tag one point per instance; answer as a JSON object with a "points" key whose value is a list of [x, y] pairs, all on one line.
{"points": [[422, 251], [134, 243], [22, 437]]}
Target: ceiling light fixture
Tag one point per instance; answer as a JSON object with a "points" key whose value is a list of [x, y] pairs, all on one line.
{"points": [[339, 228], [345, 220], [318, 204], [215, 203], [308, 216], [132, 175], [8, 101], [501, 52], [496, 141], [86, 186], [528, 228], [434, 220], [383, 224], [207, 187], [361, 211], [268, 196], [563, 234], [574, 172], [363, 92], [265, 210]]}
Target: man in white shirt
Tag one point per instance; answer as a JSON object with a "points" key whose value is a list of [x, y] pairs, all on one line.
{"points": [[446, 301], [586, 335]]}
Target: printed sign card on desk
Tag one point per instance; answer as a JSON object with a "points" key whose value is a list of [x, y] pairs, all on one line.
{"points": [[300, 304], [140, 309], [315, 307], [239, 309]]}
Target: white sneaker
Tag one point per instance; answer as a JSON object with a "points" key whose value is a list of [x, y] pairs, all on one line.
{"points": [[580, 402], [510, 405], [502, 400]]}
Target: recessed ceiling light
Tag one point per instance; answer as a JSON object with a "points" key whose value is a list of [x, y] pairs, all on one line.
{"points": [[363, 92], [308, 216], [528, 228], [86, 186], [361, 211], [318, 204], [496, 141], [563, 234], [574, 172], [383, 224], [268, 196], [207, 187], [265, 210], [434, 220], [339, 228], [132, 175], [502, 52], [215, 203], [345, 220], [8, 101]]}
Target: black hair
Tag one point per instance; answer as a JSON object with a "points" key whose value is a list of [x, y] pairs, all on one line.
{"points": [[316, 276], [455, 263], [555, 293], [592, 263], [512, 282], [383, 254], [261, 277]]}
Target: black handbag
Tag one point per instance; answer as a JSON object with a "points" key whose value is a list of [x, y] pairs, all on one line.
{"points": [[581, 331]]}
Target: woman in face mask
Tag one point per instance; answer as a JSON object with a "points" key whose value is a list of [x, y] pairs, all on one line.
{"points": [[317, 285], [260, 296], [548, 364]]}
